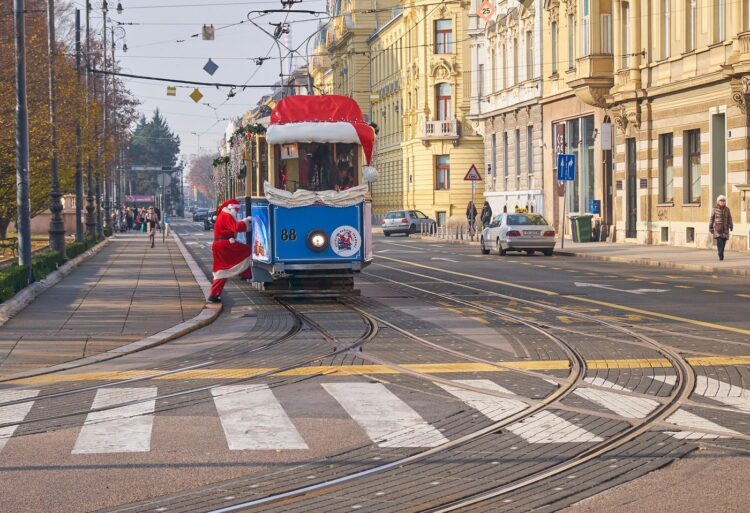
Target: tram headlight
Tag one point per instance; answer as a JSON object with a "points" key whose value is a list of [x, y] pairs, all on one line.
{"points": [[317, 240]]}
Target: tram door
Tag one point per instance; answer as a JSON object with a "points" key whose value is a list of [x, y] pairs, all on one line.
{"points": [[632, 190]]}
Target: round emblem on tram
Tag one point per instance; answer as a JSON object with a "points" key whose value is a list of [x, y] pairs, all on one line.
{"points": [[346, 241]]}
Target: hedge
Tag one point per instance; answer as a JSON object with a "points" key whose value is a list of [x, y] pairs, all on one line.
{"points": [[13, 278]]}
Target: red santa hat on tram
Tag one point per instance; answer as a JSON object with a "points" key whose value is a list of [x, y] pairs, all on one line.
{"points": [[322, 119], [230, 205]]}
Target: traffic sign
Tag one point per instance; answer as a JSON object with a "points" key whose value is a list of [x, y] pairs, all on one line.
{"points": [[164, 180], [473, 175], [566, 167]]}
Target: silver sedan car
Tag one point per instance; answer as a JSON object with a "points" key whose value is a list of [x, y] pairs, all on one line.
{"points": [[407, 222], [518, 232]]}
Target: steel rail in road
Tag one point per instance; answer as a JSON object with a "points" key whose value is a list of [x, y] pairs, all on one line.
{"points": [[370, 332], [683, 387]]}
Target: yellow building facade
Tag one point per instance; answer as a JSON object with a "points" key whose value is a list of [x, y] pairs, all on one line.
{"points": [[679, 102], [421, 78]]}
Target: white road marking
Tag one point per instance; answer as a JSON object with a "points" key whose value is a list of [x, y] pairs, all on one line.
{"points": [[444, 259], [640, 407], [541, 428], [14, 412], [720, 391], [386, 419], [609, 287], [123, 429], [253, 419], [684, 418]]}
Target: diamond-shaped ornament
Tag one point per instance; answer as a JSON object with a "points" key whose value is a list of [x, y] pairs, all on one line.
{"points": [[210, 67], [196, 95], [486, 10]]}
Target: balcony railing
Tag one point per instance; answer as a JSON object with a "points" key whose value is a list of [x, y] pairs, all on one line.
{"points": [[445, 129]]}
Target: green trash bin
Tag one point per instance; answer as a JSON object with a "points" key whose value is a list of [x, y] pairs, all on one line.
{"points": [[583, 228], [574, 234]]}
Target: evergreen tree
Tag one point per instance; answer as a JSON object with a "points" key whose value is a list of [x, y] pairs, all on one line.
{"points": [[152, 144]]}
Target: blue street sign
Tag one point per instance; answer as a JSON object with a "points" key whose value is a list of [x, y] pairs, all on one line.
{"points": [[566, 167], [595, 206]]}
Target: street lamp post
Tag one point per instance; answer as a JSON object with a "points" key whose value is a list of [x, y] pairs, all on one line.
{"points": [[56, 224], [23, 222], [79, 172], [105, 10], [90, 209]]}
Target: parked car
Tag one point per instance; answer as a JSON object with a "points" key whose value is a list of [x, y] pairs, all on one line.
{"points": [[200, 214], [518, 232], [407, 222], [209, 221]]}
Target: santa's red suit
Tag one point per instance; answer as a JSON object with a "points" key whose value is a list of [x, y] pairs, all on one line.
{"points": [[231, 258]]}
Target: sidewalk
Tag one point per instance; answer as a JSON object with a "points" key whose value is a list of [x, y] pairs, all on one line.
{"points": [[668, 257], [126, 292]]}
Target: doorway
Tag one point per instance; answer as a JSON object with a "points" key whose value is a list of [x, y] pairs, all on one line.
{"points": [[632, 191]]}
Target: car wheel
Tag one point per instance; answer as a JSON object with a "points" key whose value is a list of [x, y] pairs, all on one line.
{"points": [[387, 234], [500, 250], [412, 229], [548, 252], [529, 252], [484, 250]]}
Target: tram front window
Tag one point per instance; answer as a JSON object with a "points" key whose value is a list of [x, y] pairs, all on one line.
{"points": [[317, 166]]}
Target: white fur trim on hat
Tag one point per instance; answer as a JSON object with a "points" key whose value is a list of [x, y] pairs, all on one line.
{"points": [[309, 132], [721, 197]]}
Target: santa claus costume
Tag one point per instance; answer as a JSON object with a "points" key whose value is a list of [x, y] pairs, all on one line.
{"points": [[231, 258]]}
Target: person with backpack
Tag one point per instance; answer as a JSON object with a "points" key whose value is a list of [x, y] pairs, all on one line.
{"points": [[720, 224], [486, 215]]}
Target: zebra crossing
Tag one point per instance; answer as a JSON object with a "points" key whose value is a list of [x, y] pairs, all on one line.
{"points": [[253, 418]]}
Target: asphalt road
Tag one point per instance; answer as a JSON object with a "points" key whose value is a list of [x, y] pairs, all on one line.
{"points": [[326, 402]]}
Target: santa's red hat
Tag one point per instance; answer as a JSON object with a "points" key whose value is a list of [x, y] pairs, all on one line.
{"points": [[320, 119], [230, 202]]}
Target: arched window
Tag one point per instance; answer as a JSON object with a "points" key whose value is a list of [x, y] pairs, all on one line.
{"points": [[444, 110]]}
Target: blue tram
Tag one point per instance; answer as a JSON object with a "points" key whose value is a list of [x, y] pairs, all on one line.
{"points": [[312, 229]]}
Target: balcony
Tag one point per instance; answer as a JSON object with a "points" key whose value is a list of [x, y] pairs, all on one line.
{"points": [[445, 129], [593, 79]]}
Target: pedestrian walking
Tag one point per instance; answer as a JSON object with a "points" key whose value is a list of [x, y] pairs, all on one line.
{"points": [[151, 221], [486, 215], [471, 216], [231, 258], [721, 224]]}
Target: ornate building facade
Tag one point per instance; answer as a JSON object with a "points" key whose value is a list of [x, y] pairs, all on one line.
{"points": [[679, 104], [506, 56]]}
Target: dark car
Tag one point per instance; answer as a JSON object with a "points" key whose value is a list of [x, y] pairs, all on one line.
{"points": [[209, 221], [200, 214]]}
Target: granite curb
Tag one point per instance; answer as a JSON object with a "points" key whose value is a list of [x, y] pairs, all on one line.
{"points": [[208, 315], [26, 295], [617, 259]]}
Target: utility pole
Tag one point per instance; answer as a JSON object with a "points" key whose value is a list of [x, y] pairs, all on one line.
{"points": [[23, 222], [90, 219], [79, 172], [116, 178], [105, 10], [56, 224]]}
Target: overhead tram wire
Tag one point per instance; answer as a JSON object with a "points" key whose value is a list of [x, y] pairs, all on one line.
{"points": [[178, 81]]}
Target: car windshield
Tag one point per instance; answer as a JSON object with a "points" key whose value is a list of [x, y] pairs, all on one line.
{"points": [[526, 219], [395, 215]]}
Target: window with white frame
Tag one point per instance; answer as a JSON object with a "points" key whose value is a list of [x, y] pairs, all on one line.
{"points": [[690, 15], [719, 7], [529, 55], [625, 12], [571, 41], [607, 34], [666, 28], [554, 35], [585, 29], [444, 108]]}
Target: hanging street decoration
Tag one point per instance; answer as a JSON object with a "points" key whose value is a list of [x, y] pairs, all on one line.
{"points": [[486, 10], [208, 32], [171, 91], [210, 67], [196, 95]]}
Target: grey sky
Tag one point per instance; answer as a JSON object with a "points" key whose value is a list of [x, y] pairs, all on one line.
{"points": [[153, 50]]}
